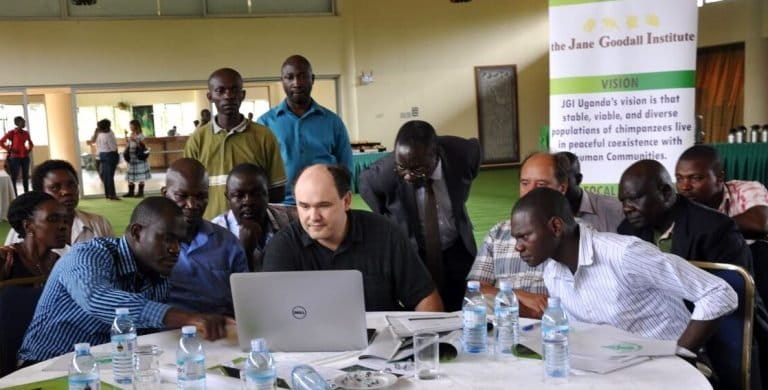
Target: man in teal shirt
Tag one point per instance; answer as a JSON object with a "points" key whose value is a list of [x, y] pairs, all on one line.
{"points": [[308, 132]]}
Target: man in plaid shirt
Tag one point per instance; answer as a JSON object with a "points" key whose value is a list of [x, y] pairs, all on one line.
{"points": [[700, 177]]}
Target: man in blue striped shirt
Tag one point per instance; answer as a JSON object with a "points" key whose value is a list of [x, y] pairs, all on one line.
{"points": [[96, 277], [606, 278]]}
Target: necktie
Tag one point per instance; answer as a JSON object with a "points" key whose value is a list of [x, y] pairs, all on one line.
{"points": [[431, 230]]}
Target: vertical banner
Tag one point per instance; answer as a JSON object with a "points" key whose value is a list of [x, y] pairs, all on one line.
{"points": [[622, 83]]}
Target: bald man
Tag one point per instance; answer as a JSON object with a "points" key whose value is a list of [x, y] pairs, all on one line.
{"points": [[230, 139], [330, 236], [308, 132], [209, 254]]}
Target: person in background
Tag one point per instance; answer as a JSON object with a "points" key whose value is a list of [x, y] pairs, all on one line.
{"points": [[106, 147], [330, 236], [59, 179], [423, 187], [138, 166], [44, 224], [231, 139], [250, 217], [86, 286], [18, 152], [209, 253], [308, 132], [205, 116]]}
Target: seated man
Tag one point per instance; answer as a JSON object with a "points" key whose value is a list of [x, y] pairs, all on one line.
{"points": [[497, 258], [92, 280], [605, 278], [209, 253], [700, 177], [250, 217], [330, 236], [59, 179]]}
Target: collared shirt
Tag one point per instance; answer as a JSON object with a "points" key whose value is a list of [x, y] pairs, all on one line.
{"points": [[106, 142], [220, 151], [19, 138], [200, 279], [497, 259], [664, 240], [445, 221], [317, 137], [394, 277], [237, 129], [629, 284], [229, 221], [85, 226], [604, 213], [80, 297], [740, 196]]}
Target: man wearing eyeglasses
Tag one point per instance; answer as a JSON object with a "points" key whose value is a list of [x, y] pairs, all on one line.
{"points": [[424, 187]]}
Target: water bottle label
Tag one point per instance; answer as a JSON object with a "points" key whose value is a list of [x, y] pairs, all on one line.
{"points": [[190, 369], [123, 344], [474, 318], [260, 380], [84, 384]]}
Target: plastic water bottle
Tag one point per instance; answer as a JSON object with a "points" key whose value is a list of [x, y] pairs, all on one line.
{"points": [[304, 377], [475, 334], [84, 370], [123, 345], [190, 361], [507, 324], [260, 371], [554, 333]]}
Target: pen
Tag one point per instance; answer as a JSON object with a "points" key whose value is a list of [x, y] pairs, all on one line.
{"points": [[530, 327]]}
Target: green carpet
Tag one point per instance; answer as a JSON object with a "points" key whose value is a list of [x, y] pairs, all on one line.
{"points": [[492, 197]]}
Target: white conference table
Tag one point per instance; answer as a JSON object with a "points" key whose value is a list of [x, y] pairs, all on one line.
{"points": [[463, 373], [6, 194]]}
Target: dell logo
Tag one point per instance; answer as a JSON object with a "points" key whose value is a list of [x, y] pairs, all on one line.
{"points": [[299, 312]]}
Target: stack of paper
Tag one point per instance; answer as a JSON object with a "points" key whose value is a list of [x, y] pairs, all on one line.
{"points": [[406, 325]]}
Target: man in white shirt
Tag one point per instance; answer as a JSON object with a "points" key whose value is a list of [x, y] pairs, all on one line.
{"points": [[59, 179], [605, 278]]}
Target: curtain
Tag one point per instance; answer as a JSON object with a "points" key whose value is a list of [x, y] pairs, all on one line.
{"points": [[720, 90]]}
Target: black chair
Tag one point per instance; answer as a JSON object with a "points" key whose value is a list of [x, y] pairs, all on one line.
{"points": [[730, 348], [18, 300]]}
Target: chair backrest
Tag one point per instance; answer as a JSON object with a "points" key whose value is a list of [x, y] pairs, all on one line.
{"points": [[730, 348], [17, 306]]}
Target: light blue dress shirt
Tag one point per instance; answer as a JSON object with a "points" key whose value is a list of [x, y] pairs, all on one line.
{"points": [[317, 137], [200, 280]]}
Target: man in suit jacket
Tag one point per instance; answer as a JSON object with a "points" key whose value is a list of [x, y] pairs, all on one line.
{"points": [[424, 187]]}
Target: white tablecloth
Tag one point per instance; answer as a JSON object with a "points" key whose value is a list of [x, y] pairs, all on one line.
{"points": [[6, 194], [464, 373]]}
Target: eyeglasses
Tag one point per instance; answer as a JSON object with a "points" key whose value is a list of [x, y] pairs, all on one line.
{"points": [[416, 173]]}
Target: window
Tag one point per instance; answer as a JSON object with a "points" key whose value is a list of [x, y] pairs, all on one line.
{"points": [[701, 3]]}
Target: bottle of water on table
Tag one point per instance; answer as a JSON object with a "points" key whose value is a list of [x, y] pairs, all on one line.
{"points": [[260, 370], [123, 345], [507, 313], [475, 328], [554, 335], [304, 377], [84, 370], [190, 361]]}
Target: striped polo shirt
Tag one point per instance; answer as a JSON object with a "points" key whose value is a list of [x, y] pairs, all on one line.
{"points": [[80, 297]]}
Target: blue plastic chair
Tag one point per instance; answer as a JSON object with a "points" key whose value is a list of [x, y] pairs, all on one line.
{"points": [[730, 348]]}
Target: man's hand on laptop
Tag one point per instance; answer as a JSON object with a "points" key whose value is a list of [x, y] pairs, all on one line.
{"points": [[211, 326]]}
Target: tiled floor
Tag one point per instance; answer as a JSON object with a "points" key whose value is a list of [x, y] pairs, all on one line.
{"points": [[92, 185]]}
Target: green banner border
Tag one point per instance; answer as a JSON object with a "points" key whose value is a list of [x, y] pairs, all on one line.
{"points": [[644, 81], [555, 3]]}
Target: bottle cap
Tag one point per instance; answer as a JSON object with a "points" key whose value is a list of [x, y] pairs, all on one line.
{"points": [[121, 310], [553, 302], [84, 347], [259, 345], [473, 284], [189, 329]]}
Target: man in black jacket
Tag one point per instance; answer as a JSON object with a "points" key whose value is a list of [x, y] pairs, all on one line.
{"points": [[423, 187]]}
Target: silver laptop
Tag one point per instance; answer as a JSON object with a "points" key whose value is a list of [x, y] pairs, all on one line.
{"points": [[301, 311]]}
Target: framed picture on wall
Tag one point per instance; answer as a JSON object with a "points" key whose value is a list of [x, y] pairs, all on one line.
{"points": [[146, 116], [496, 89]]}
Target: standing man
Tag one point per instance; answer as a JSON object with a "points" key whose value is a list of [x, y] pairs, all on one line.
{"points": [[330, 236], [209, 253], [230, 139], [308, 132], [18, 152], [424, 188], [205, 116], [250, 217]]}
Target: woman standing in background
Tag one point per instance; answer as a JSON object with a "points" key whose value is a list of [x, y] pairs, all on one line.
{"points": [[18, 152], [135, 156], [106, 147]]}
